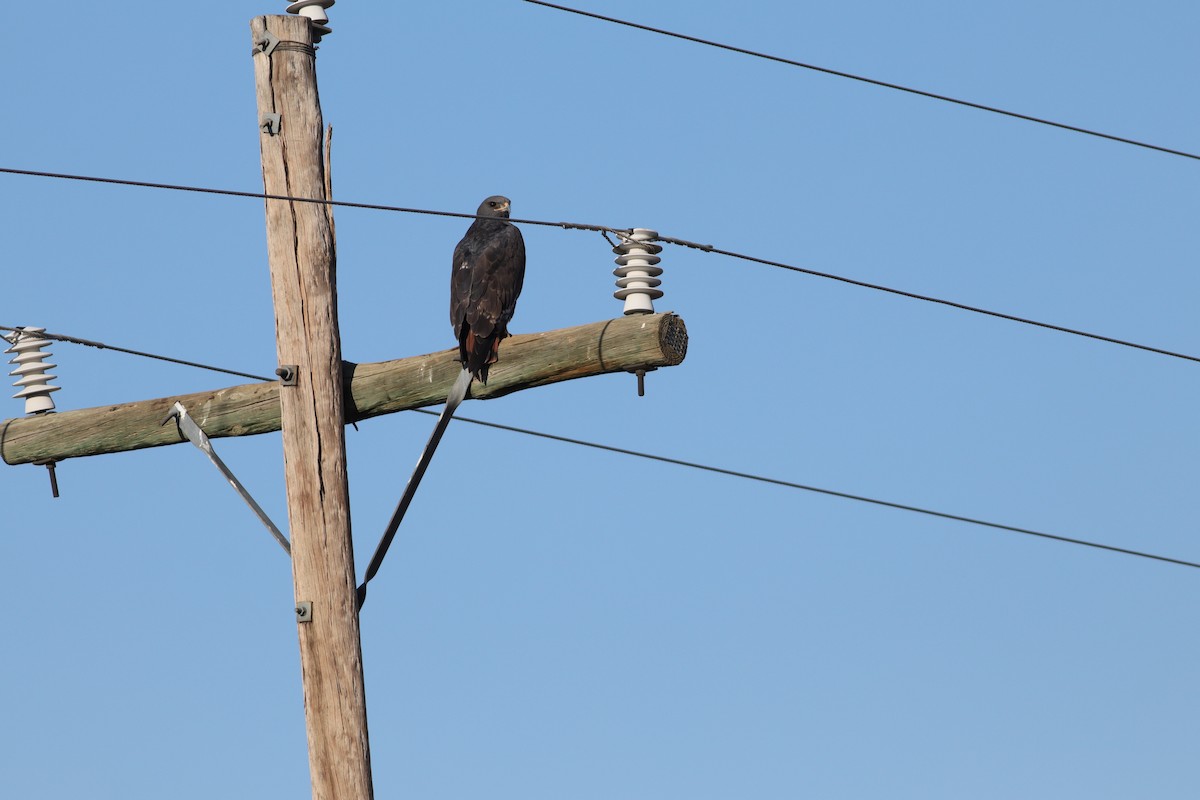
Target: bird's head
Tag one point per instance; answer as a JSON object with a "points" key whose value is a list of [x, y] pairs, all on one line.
{"points": [[495, 206]]}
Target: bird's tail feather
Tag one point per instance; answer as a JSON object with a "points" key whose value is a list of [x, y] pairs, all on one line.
{"points": [[479, 353]]}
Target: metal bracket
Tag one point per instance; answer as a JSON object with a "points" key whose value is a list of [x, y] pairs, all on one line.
{"points": [[641, 379], [288, 374], [304, 611], [192, 432], [271, 124], [49, 465], [268, 44]]}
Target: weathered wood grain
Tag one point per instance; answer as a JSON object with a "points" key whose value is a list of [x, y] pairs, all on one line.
{"points": [[624, 344], [301, 255]]}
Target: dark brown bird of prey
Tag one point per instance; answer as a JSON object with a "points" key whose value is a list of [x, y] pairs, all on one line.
{"points": [[488, 270]]}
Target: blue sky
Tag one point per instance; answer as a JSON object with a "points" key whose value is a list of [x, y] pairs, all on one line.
{"points": [[586, 624]]}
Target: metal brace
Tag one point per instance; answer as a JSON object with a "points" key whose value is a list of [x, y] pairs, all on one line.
{"points": [[268, 44], [304, 611], [271, 123], [192, 432]]}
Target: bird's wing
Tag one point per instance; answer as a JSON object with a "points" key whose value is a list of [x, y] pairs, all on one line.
{"points": [[517, 259], [461, 278], [500, 276]]}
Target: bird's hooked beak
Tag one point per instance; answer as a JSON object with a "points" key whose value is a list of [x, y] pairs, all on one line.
{"points": [[505, 207]]}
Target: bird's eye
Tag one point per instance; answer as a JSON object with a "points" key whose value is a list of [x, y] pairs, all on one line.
{"points": [[493, 204]]}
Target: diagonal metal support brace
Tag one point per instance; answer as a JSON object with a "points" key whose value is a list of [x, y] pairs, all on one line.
{"points": [[193, 433], [458, 393]]}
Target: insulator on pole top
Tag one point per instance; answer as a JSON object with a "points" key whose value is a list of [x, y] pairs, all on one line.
{"points": [[637, 271], [31, 370], [315, 11]]}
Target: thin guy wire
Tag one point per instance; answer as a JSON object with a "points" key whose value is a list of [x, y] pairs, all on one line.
{"points": [[872, 81], [603, 229], [829, 492], [89, 343]]}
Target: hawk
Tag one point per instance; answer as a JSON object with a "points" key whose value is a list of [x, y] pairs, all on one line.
{"points": [[489, 268], [485, 281]]}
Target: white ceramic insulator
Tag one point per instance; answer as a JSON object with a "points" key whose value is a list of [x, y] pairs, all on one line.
{"points": [[637, 271], [315, 11], [31, 371]]}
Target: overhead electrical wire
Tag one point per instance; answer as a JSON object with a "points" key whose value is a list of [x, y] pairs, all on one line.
{"points": [[316, 200], [604, 229], [677, 462], [929, 299], [819, 490], [100, 345], [871, 81], [706, 248]]}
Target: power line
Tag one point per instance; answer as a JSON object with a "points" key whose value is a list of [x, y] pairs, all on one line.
{"points": [[829, 492], [872, 81], [318, 200], [929, 299], [89, 343], [667, 459], [708, 248]]}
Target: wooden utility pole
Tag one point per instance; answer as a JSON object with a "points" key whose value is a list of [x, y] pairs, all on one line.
{"points": [[320, 393], [300, 249]]}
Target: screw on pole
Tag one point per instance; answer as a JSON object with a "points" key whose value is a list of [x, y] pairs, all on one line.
{"points": [[32, 379], [637, 278], [49, 465], [315, 11]]}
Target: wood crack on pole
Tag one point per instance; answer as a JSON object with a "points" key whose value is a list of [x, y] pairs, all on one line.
{"points": [[300, 255]]}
